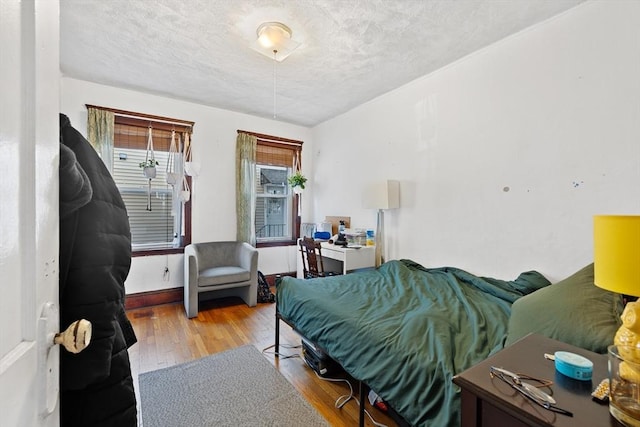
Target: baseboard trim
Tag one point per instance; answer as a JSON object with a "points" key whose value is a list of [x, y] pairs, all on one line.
{"points": [[147, 299], [166, 296]]}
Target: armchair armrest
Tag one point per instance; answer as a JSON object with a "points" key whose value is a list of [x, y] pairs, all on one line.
{"points": [[192, 251], [248, 257]]}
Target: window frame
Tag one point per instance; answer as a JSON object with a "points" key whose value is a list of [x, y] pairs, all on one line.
{"points": [[142, 120], [264, 198], [296, 153]]}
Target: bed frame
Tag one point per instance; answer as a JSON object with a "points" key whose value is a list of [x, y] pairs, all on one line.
{"points": [[408, 288], [363, 389]]}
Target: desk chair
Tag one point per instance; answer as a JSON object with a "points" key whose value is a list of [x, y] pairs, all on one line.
{"points": [[312, 265]]}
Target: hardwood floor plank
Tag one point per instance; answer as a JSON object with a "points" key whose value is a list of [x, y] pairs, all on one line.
{"points": [[167, 337]]}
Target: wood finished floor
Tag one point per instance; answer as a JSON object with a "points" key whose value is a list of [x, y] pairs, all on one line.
{"points": [[167, 337]]}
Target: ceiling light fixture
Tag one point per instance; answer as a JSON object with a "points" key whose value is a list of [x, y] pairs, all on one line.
{"points": [[274, 41]]}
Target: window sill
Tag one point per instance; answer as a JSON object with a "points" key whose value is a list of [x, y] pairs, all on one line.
{"points": [[169, 251], [276, 244], [151, 252]]}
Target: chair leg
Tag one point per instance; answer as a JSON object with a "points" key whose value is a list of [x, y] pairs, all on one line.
{"points": [[190, 307], [248, 296], [363, 399], [277, 346], [190, 291]]}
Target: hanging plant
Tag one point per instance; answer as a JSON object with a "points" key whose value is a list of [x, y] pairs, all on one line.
{"points": [[297, 182], [150, 162], [149, 168]]}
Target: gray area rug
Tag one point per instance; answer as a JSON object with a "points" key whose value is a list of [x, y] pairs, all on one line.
{"points": [[238, 387]]}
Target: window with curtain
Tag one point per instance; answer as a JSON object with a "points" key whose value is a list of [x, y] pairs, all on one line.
{"points": [[276, 215], [160, 221]]}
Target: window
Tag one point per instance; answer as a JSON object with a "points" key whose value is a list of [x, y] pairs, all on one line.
{"points": [[273, 204], [160, 222], [277, 216]]}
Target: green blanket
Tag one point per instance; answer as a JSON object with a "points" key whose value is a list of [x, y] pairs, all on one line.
{"points": [[406, 330]]}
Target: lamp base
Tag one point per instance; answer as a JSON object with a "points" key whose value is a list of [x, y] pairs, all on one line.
{"points": [[379, 254], [624, 368], [625, 413], [624, 385]]}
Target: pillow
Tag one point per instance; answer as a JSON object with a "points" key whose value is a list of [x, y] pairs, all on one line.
{"points": [[574, 311]]}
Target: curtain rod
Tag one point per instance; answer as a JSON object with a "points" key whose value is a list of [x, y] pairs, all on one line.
{"points": [[140, 116], [272, 138]]}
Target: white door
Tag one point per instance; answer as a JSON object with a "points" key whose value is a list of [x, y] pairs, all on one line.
{"points": [[29, 157]]}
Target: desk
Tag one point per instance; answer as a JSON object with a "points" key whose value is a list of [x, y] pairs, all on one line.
{"points": [[339, 258], [352, 259]]}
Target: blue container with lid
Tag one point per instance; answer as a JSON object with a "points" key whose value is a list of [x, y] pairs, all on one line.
{"points": [[322, 235], [573, 365]]}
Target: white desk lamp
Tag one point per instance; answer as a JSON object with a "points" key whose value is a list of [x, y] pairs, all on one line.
{"points": [[381, 196]]}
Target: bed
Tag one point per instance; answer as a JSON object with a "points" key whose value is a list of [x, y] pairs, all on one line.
{"points": [[405, 330]]}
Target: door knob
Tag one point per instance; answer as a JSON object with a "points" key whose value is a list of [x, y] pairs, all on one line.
{"points": [[75, 339], [77, 336]]}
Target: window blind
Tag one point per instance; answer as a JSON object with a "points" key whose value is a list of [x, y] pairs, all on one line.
{"points": [[273, 155], [154, 228]]}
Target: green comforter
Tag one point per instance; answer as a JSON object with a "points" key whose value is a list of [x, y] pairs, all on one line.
{"points": [[406, 330]]}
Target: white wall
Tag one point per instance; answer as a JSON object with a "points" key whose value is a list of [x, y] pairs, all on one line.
{"points": [[214, 136], [551, 114], [504, 156]]}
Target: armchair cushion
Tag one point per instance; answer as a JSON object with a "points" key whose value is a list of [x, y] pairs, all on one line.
{"points": [[222, 275]]}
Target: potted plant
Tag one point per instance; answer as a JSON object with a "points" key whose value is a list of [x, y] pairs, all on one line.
{"points": [[149, 168], [297, 182]]}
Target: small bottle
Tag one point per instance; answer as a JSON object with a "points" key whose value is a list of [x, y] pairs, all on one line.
{"points": [[371, 238], [341, 227]]}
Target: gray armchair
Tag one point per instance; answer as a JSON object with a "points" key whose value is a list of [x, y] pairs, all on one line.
{"points": [[227, 268]]}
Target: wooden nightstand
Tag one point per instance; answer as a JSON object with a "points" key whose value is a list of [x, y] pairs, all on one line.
{"points": [[487, 403]]}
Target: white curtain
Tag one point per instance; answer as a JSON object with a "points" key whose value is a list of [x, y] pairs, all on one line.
{"points": [[177, 201], [100, 125], [177, 179], [245, 188]]}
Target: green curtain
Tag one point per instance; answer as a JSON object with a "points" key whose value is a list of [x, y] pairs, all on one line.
{"points": [[245, 188], [100, 125]]}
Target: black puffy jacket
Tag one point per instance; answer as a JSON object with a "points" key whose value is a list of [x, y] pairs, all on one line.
{"points": [[96, 387]]}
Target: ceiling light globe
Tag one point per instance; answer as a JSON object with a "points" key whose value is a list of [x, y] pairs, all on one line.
{"points": [[265, 41], [273, 34]]}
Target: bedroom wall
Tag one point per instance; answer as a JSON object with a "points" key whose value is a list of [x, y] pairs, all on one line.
{"points": [[503, 156], [214, 139]]}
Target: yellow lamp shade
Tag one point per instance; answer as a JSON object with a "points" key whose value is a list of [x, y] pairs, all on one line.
{"points": [[616, 253]]}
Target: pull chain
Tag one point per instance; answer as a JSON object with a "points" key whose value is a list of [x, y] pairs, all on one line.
{"points": [[274, 82]]}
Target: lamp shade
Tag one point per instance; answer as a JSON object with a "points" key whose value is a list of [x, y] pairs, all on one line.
{"points": [[616, 253], [382, 195]]}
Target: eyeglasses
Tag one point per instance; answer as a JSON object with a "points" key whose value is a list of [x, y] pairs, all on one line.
{"points": [[530, 391]]}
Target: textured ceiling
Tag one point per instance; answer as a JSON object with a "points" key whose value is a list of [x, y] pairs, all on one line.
{"points": [[351, 52]]}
